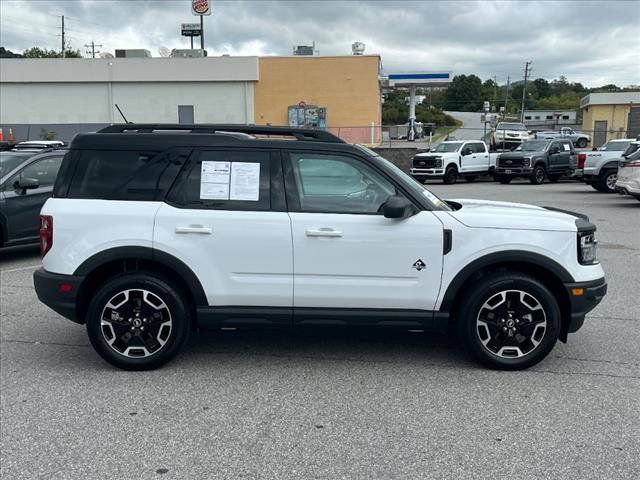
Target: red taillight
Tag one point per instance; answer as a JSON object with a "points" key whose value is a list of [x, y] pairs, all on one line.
{"points": [[46, 234], [582, 157], [635, 163]]}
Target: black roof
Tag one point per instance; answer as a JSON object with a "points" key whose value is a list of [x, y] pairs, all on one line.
{"points": [[163, 136]]}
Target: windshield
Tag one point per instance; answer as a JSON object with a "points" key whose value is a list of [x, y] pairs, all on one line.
{"points": [[510, 126], [408, 182], [615, 146], [532, 146], [448, 147], [9, 161]]}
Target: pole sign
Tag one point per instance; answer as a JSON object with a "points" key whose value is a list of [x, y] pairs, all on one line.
{"points": [[191, 30], [200, 7]]}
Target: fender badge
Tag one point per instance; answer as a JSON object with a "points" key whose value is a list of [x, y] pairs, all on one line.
{"points": [[419, 264]]}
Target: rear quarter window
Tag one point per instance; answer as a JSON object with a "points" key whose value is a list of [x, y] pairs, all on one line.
{"points": [[141, 175]]}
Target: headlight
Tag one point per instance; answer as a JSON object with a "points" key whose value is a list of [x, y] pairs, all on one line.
{"points": [[526, 162], [438, 162], [587, 248]]}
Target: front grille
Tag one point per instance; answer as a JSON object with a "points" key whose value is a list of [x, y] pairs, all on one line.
{"points": [[426, 162], [511, 162]]}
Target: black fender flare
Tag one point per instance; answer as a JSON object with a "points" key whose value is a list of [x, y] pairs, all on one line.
{"points": [[146, 253], [611, 165], [508, 256]]}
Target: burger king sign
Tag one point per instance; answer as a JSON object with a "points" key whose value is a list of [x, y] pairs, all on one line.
{"points": [[200, 7]]}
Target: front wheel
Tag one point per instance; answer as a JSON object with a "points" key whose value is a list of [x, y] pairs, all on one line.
{"points": [[450, 175], [138, 321], [537, 176], [511, 321]]}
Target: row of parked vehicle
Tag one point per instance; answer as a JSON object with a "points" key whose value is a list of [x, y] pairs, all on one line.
{"points": [[538, 160]]}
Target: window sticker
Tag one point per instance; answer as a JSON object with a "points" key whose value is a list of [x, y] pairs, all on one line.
{"points": [[566, 147], [245, 181], [214, 180]]}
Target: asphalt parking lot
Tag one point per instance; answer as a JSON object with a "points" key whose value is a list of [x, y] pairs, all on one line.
{"points": [[333, 404]]}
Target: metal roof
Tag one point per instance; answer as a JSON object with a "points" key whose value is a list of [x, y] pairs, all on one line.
{"points": [[610, 98]]}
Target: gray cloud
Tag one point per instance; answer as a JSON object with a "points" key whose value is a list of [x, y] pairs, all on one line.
{"points": [[591, 42]]}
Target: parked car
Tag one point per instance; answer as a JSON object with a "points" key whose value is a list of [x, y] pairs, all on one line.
{"points": [[26, 182], [579, 139], [508, 134], [599, 168], [452, 159], [149, 235], [537, 159], [628, 181]]}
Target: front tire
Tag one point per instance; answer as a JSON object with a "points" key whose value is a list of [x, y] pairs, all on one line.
{"points": [[607, 181], [510, 321], [138, 321], [450, 175], [537, 176]]}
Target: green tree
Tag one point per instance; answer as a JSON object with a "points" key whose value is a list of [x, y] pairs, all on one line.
{"points": [[464, 94], [4, 53], [37, 52]]}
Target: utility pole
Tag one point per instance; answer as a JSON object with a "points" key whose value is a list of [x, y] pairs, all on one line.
{"points": [[63, 45], [506, 96], [495, 90], [524, 89], [93, 46]]}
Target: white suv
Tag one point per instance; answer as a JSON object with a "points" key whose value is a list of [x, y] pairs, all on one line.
{"points": [[151, 234]]}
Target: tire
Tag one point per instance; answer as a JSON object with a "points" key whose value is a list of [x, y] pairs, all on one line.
{"points": [[161, 310], [581, 143], [537, 176], [470, 178], [607, 180], [503, 179], [450, 175], [517, 336], [554, 178]]}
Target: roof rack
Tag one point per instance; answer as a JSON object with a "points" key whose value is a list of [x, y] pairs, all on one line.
{"points": [[304, 134]]}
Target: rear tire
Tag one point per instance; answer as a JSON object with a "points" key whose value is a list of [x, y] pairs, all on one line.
{"points": [[450, 175], [537, 176], [510, 321], [607, 180], [138, 321]]}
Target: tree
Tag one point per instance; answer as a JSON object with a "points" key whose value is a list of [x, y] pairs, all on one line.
{"points": [[542, 87], [37, 52], [4, 53], [464, 94]]}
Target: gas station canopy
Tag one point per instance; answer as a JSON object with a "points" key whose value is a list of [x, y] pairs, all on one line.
{"points": [[421, 79]]}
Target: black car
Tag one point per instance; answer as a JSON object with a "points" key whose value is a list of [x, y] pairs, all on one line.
{"points": [[26, 182], [537, 159]]}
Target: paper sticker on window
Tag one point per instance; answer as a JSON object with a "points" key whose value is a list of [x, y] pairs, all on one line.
{"points": [[245, 181], [214, 180], [566, 147]]}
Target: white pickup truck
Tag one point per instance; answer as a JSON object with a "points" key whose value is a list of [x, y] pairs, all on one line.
{"points": [[579, 139], [599, 168], [452, 159]]}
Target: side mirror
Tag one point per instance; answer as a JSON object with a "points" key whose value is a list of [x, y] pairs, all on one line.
{"points": [[26, 184], [397, 207]]}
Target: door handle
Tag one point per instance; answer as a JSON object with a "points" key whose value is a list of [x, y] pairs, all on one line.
{"points": [[322, 232], [195, 229]]}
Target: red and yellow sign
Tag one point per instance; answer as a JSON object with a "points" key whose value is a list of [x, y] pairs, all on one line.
{"points": [[200, 7]]}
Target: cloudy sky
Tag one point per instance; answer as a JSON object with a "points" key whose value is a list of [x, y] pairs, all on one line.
{"points": [[590, 42]]}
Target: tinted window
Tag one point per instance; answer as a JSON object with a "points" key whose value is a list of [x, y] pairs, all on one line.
{"points": [[118, 174], [338, 184], [478, 148], [9, 161], [224, 180]]}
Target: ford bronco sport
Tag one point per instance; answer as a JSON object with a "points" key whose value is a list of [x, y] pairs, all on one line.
{"points": [[154, 231]]}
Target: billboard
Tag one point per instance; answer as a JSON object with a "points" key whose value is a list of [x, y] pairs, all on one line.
{"points": [[190, 29], [201, 7]]}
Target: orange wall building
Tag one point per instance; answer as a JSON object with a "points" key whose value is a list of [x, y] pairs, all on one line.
{"points": [[346, 86]]}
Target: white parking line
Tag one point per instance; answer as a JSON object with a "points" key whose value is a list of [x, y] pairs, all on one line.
{"points": [[20, 269]]}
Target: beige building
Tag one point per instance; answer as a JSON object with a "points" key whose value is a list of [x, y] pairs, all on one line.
{"points": [[606, 116]]}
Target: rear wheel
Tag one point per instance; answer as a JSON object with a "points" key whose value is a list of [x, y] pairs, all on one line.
{"points": [[138, 321], [537, 176], [510, 321], [450, 175], [607, 181]]}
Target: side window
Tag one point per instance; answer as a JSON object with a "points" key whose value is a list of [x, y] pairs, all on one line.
{"points": [[478, 148], [44, 171], [224, 180], [555, 146], [338, 184]]}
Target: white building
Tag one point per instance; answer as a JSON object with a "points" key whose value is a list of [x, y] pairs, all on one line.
{"points": [[83, 92], [550, 118]]}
